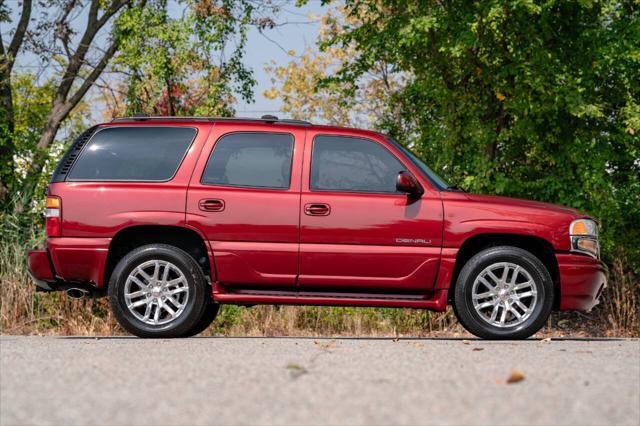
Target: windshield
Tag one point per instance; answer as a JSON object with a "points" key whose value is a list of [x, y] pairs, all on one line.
{"points": [[440, 183]]}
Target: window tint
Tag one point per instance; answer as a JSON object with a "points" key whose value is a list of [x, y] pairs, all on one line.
{"points": [[353, 165], [133, 154], [261, 160]]}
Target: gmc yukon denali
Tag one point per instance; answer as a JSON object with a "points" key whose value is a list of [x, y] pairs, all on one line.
{"points": [[172, 217]]}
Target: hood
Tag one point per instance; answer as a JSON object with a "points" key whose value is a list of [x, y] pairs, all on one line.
{"points": [[520, 203]]}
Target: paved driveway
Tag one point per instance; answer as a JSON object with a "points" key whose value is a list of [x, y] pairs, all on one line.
{"points": [[129, 381]]}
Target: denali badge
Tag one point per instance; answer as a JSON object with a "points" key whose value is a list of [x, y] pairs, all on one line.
{"points": [[412, 241]]}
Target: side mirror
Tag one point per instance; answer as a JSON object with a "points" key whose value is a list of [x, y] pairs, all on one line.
{"points": [[407, 183]]}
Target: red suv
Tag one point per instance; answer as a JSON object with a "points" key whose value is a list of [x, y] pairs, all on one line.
{"points": [[174, 216]]}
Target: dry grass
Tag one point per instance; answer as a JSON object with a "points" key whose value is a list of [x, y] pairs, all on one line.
{"points": [[332, 321], [22, 311], [621, 307]]}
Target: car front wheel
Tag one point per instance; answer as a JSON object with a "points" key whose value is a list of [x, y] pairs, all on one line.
{"points": [[503, 293]]}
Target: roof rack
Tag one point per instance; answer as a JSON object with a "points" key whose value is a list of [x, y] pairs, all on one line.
{"points": [[263, 119]]}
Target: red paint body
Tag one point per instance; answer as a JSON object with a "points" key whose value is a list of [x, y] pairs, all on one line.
{"points": [[298, 246]]}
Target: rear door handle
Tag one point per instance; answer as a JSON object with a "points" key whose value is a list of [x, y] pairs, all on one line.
{"points": [[316, 209], [209, 205]]}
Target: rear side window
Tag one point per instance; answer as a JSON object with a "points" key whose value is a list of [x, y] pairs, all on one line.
{"points": [[257, 160], [133, 154], [347, 164]]}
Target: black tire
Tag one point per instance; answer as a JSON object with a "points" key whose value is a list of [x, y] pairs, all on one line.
{"points": [[196, 303], [210, 314], [473, 322]]}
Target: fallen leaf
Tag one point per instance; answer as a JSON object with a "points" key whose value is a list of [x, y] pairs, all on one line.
{"points": [[547, 340], [330, 345], [466, 342], [294, 366], [478, 349], [296, 370], [515, 376]]}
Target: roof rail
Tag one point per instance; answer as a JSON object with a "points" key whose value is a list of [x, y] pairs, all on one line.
{"points": [[263, 119]]}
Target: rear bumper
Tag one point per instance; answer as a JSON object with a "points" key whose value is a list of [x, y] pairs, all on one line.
{"points": [[69, 260], [582, 279], [41, 269], [79, 259]]}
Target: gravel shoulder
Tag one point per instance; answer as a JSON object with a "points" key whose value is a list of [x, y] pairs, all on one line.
{"points": [[129, 381]]}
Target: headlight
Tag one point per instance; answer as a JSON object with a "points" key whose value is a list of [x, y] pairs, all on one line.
{"points": [[584, 237]]}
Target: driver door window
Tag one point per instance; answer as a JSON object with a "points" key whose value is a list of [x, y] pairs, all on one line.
{"points": [[344, 164]]}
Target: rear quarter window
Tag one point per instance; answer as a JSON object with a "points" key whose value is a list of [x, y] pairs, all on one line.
{"points": [[133, 154]]}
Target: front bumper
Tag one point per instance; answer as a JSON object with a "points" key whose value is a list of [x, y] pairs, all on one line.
{"points": [[582, 280]]}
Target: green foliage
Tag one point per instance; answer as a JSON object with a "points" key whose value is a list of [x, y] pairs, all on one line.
{"points": [[529, 99], [183, 65], [179, 58], [32, 102]]}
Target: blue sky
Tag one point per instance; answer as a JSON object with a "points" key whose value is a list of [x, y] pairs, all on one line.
{"points": [[260, 50], [299, 33]]}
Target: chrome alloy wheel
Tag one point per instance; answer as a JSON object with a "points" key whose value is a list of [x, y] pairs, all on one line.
{"points": [[156, 292], [504, 294]]}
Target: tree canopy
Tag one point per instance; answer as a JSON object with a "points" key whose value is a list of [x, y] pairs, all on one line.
{"points": [[163, 58], [538, 100]]}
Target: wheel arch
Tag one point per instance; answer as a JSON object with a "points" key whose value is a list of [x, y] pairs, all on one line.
{"points": [[539, 247], [187, 239]]}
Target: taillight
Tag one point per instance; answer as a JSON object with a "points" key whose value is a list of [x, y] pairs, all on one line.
{"points": [[53, 215]]}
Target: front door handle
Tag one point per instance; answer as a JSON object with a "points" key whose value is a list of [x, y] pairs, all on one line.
{"points": [[316, 209], [210, 205]]}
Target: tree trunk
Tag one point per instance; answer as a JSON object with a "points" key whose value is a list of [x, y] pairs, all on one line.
{"points": [[50, 129], [6, 98], [64, 101], [491, 149], [7, 59], [7, 146]]}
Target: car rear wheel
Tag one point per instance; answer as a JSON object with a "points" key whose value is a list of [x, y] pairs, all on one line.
{"points": [[158, 290], [503, 293]]}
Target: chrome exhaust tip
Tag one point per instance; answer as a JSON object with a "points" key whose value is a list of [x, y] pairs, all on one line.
{"points": [[77, 293]]}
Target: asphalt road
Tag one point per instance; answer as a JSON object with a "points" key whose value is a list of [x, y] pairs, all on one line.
{"points": [[128, 381]]}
